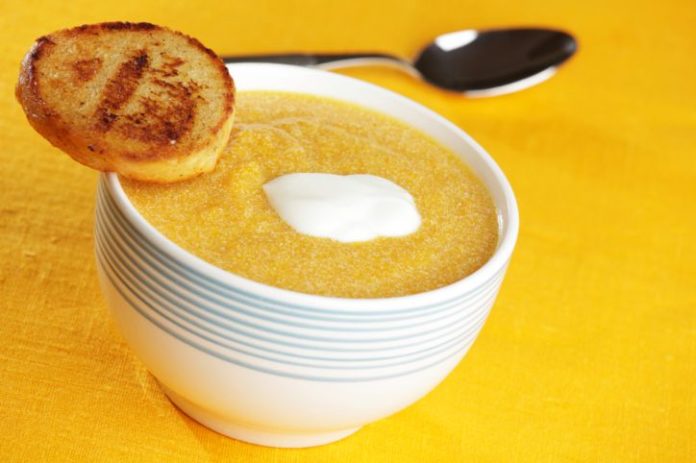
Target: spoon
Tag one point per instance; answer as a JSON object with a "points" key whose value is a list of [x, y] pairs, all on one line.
{"points": [[475, 63]]}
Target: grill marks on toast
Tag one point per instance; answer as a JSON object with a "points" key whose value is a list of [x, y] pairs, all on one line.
{"points": [[119, 89], [162, 123], [86, 69], [162, 118]]}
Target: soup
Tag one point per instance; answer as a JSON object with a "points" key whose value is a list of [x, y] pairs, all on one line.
{"points": [[226, 219]]}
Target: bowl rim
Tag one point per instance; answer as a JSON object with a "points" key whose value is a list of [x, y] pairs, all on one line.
{"points": [[499, 259]]}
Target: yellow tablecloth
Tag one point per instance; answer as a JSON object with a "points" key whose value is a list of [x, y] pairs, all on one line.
{"points": [[590, 351]]}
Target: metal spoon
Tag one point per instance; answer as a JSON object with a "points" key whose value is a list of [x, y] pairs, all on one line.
{"points": [[476, 63]]}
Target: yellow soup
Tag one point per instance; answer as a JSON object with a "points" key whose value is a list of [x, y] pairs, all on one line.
{"points": [[224, 217]]}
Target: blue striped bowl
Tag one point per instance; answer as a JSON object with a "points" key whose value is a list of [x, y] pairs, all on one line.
{"points": [[276, 367]]}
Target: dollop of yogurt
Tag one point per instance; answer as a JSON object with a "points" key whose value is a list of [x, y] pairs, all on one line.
{"points": [[346, 208]]}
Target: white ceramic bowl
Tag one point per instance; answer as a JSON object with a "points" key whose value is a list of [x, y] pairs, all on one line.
{"points": [[281, 368]]}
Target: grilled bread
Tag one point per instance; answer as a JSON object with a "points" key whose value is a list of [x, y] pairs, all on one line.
{"points": [[134, 98]]}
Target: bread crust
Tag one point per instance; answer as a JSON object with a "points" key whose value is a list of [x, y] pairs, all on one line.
{"points": [[134, 98]]}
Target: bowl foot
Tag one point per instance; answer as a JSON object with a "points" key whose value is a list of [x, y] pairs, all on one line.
{"points": [[253, 435]]}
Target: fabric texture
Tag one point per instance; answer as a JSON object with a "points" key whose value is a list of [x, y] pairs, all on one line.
{"points": [[590, 351]]}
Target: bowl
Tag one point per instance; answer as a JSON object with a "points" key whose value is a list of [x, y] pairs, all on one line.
{"points": [[281, 368]]}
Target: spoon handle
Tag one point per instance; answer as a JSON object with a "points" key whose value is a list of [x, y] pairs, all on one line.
{"points": [[324, 61]]}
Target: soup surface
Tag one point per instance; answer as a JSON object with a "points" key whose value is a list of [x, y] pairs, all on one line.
{"points": [[225, 218]]}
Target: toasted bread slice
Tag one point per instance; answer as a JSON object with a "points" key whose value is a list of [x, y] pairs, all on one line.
{"points": [[141, 100]]}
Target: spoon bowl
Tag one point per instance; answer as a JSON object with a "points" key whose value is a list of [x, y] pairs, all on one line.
{"points": [[494, 62]]}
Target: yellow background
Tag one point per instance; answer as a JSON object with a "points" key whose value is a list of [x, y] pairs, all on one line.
{"points": [[590, 351]]}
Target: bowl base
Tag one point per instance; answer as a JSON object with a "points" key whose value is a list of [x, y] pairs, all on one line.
{"points": [[255, 435]]}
